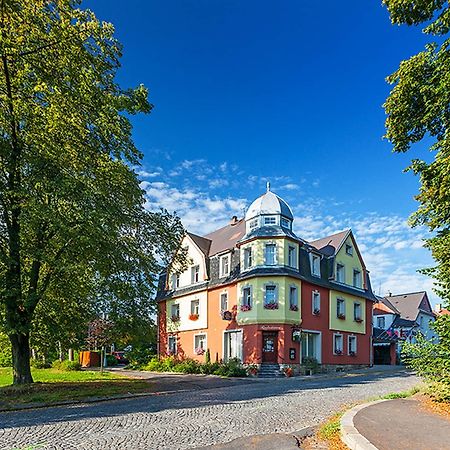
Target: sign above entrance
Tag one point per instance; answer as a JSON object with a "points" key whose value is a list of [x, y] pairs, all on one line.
{"points": [[270, 327]]}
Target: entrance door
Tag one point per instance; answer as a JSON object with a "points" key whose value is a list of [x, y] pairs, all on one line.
{"points": [[270, 347]]}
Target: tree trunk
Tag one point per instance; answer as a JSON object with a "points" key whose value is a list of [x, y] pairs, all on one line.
{"points": [[21, 358]]}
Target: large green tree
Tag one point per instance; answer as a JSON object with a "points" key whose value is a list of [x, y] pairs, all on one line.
{"points": [[72, 214], [418, 107]]}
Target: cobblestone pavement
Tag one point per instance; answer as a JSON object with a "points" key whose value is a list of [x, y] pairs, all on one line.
{"points": [[196, 418]]}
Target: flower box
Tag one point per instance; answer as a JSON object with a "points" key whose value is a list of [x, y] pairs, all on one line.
{"points": [[358, 319], [193, 316], [316, 311], [352, 353], [338, 352], [199, 351], [175, 318], [293, 308], [245, 308], [271, 306], [341, 316]]}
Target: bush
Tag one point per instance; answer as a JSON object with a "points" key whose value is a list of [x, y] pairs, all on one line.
{"points": [[39, 364], [66, 365], [111, 360], [5, 351], [139, 357]]}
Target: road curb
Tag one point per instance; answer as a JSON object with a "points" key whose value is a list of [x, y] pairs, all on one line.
{"points": [[350, 435]]}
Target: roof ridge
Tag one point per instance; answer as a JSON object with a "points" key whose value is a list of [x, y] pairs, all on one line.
{"points": [[221, 228], [407, 293], [331, 235]]}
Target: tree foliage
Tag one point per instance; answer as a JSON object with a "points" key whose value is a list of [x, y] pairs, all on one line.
{"points": [[418, 107], [72, 220]]}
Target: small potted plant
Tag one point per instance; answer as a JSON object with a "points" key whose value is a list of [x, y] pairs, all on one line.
{"points": [[341, 316], [271, 305], [245, 308], [352, 353], [316, 311], [193, 316], [199, 351], [293, 308], [338, 351], [358, 319]]}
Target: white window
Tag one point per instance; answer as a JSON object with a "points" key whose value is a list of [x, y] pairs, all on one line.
{"points": [[352, 345], [340, 273], [316, 302], [247, 296], [357, 312], [270, 220], [315, 265], [269, 254], [381, 322], [248, 260], [349, 249], [200, 344], [338, 344], [253, 224], [175, 281], [224, 301], [309, 346], [195, 274], [270, 296], [195, 307], [285, 223], [293, 298], [224, 268], [172, 345], [340, 311], [357, 278], [175, 311], [291, 256]]}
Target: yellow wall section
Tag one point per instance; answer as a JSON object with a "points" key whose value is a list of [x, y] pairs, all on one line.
{"points": [[347, 324], [350, 262], [258, 251], [258, 314]]}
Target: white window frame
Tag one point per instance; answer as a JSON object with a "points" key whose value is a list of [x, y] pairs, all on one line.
{"points": [[224, 293], [195, 274], [205, 341], [195, 306], [318, 354], [224, 339], [172, 306], [250, 288], [169, 338], [349, 339], [359, 286], [335, 335], [274, 245], [291, 288], [343, 273], [292, 257], [275, 286], [384, 322], [313, 258], [315, 295], [340, 301], [349, 249], [253, 224], [355, 304], [226, 258], [248, 258]]}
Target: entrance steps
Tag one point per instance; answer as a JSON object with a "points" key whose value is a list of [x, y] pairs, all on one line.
{"points": [[269, 371]]}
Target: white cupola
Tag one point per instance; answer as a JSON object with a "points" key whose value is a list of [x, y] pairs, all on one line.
{"points": [[269, 210]]}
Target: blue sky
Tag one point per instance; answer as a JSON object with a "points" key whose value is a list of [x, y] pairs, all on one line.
{"points": [[246, 91]]}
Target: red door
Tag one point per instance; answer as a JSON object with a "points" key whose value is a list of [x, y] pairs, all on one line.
{"points": [[270, 347]]}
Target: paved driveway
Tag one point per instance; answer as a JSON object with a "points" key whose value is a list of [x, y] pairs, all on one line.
{"points": [[196, 416]]}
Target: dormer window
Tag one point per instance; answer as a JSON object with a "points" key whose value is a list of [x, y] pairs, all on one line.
{"points": [[315, 264], [271, 220], [285, 223], [224, 266], [195, 274], [253, 224]]}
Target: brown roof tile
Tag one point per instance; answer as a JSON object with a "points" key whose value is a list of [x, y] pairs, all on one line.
{"points": [[330, 244], [225, 238], [203, 244], [409, 304]]}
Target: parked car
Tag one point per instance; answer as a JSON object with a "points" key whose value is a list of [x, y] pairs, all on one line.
{"points": [[120, 356]]}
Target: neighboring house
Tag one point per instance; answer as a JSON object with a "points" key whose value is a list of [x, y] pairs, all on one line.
{"points": [[399, 318], [256, 291], [440, 311]]}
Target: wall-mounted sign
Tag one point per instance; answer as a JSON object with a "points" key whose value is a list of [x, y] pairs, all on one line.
{"points": [[296, 335], [227, 315], [292, 353]]}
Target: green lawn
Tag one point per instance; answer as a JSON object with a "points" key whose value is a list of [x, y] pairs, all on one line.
{"points": [[53, 385]]}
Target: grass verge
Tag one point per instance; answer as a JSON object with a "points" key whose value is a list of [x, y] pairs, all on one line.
{"points": [[53, 386]]}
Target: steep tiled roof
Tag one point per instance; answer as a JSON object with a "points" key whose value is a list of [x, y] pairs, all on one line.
{"points": [[328, 245], [409, 305], [225, 238], [202, 243], [382, 308]]}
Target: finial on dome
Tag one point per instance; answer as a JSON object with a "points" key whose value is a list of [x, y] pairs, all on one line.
{"points": [[268, 186]]}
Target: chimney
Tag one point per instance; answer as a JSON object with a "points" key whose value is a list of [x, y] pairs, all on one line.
{"points": [[234, 220], [389, 293]]}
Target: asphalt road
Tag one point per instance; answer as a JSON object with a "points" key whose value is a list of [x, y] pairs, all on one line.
{"points": [[201, 413]]}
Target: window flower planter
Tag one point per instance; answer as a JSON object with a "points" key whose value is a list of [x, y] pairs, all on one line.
{"points": [[199, 351], [341, 316], [352, 353], [359, 320], [271, 306], [175, 318], [316, 311], [245, 308], [193, 316], [293, 308], [337, 352]]}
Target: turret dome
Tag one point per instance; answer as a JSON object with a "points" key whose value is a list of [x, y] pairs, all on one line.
{"points": [[268, 204]]}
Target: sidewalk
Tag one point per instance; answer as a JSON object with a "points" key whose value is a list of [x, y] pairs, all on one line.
{"points": [[403, 424]]}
